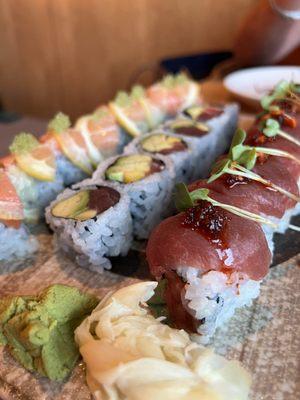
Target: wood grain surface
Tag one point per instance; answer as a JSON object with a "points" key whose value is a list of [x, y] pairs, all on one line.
{"points": [[71, 55]]}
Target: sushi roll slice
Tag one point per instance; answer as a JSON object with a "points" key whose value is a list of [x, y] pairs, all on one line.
{"points": [[148, 181], [103, 136], [70, 149], [32, 170], [174, 93], [131, 112], [213, 261], [169, 146], [15, 239], [209, 135], [92, 224], [267, 175]]}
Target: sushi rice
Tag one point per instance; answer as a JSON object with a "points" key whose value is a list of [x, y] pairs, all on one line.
{"points": [[212, 298], [16, 243]]}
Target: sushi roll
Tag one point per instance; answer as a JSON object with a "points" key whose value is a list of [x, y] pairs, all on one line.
{"points": [[15, 238], [70, 149], [174, 93], [131, 112], [169, 146], [92, 224], [209, 135], [32, 170], [212, 261], [148, 181], [103, 136]]}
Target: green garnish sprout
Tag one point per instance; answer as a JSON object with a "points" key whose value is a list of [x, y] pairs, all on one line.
{"points": [[241, 159], [99, 113], [185, 199], [59, 123], [24, 142], [169, 81], [280, 92], [271, 128], [122, 99], [137, 92]]}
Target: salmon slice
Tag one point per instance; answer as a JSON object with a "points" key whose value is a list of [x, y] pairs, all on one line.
{"points": [[11, 208]]}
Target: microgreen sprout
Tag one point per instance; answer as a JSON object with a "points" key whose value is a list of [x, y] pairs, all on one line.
{"points": [[272, 128], [185, 199], [239, 151], [240, 161], [283, 90]]}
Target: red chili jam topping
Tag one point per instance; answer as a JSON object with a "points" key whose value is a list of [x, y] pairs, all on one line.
{"points": [[255, 137], [287, 105], [209, 113], [282, 117], [234, 180], [103, 198], [191, 131], [208, 220]]}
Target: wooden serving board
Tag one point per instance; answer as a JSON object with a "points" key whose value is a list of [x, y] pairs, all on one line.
{"points": [[264, 337]]}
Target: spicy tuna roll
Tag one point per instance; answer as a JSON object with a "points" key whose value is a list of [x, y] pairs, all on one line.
{"points": [[92, 224], [149, 183], [170, 146], [212, 261], [208, 130]]}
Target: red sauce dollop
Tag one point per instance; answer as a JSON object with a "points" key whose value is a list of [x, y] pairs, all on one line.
{"points": [[208, 220]]}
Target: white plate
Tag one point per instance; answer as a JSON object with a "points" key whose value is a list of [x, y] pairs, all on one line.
{"points": [[252, 83]]}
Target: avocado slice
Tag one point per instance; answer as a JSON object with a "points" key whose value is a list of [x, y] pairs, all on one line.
{"points": [[129, 169], [159, 142], [194, 112], [87, 214], [183, 123], [68, 208]]}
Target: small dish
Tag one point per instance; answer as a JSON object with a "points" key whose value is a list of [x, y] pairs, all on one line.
{"points": [[249, 85]]}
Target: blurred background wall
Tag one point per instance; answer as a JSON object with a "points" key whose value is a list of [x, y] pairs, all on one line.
{"points": [[71, 55]]}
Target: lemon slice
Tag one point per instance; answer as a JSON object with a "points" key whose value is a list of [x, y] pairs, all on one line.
{"points": [[124, 121], [94, 154], [71, 149], [192, 95], [38, 163]]}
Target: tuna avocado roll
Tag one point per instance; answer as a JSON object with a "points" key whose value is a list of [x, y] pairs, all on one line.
{"points": [[93, 223], [171, 146], [148, 181], [208, 130]]}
